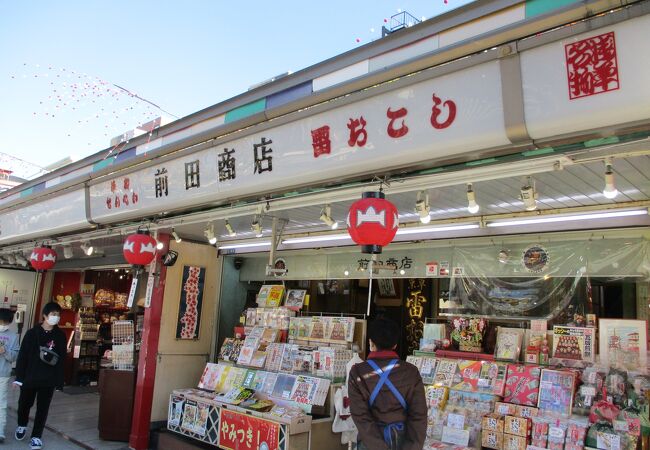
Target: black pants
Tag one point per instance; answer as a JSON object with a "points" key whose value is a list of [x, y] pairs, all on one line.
{"points": [[43, 397]]}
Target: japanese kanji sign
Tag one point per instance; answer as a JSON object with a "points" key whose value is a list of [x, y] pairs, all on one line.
{"points": [[243, 432], [592, 67]]}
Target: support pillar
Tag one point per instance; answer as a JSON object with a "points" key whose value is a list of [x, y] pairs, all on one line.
{"points": [[143, 399]]}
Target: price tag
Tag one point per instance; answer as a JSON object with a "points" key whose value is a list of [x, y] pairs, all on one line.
{"points": [[608, 441], [455, 436]]}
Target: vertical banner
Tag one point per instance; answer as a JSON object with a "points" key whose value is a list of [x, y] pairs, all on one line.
{"points": [[134, 289], [416, 301], [189, 311]]}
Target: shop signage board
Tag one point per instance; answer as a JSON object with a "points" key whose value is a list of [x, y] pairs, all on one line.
{"points": [[65, 212], [449, 115], [245, 432], [588, 81]]}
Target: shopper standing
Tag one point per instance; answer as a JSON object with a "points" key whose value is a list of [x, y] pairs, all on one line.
{"points": [[39, 371], [387, 400], [8, 354]]}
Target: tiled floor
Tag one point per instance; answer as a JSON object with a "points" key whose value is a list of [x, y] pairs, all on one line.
{"points": [[71, 423]]}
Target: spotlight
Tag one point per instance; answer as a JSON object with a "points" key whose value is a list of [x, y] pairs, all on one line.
{"points": [[87, 248], [422, 207], [231, 231], [529, 196], [176, 237], [209, 234], [256, 226], [610, 190], [117, 270], [402, 272], [326, 217], [472, 206], [160, 245], [67, 252], [346, 272]]}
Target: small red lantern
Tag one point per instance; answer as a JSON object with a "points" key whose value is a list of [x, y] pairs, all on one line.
{"points": [[372, 222], [139, 249], [42, 258]]}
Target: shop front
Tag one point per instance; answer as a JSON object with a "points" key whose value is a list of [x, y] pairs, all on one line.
{"points": [[241, 328]]}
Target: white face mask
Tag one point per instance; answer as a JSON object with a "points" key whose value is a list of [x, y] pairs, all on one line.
{"points": [[53, 320], [4, 328]]}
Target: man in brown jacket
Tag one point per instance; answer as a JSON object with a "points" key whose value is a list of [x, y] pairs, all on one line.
{"points": [[387, 398]]}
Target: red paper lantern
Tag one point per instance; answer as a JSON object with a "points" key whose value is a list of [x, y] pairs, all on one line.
{"points": [[372, 222], [42, 258], [139, 249]]}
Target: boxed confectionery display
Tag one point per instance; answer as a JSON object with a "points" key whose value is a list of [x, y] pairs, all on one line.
{"points": [[280, 370], [545, 387]]}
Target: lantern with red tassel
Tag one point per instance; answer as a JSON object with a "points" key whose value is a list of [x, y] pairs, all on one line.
{"points": [[372, 222], [139, 248], [43, 258]]}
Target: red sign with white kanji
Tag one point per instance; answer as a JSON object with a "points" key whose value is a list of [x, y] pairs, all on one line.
{"points": [[592, 67], [243, 432]]}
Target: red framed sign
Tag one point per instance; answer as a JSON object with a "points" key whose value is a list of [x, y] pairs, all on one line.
{"points": [[239, 431]]}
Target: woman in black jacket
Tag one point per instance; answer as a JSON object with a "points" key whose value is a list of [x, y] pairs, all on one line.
{"points": [[39, 370]]}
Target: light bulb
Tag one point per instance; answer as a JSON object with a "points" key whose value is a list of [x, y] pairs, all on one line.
{"points": [[610, 190]]}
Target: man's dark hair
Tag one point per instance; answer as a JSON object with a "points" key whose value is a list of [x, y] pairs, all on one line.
{"points": [[6, 315], [50, 308], [384, 333]]}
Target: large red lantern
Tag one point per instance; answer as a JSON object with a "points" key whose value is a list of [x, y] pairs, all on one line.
{"points": [[372, 222], [139, 249], [42, 258]]}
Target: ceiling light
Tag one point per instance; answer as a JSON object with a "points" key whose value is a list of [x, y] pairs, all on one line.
{"points": [[67, 252], [323, 238], [472, 206], [160, 245], [176, 237], [422, 207], [346, 273], [610, 190], [402, 272], [117, 270], [244, 245], [209, 234], [569, 218], [435, 229], [87, 248], [529, 196], [256, 226], [231, 231], [326, 217]]}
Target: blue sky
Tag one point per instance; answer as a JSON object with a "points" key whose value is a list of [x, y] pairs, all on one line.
{"points": [[61, 60]]}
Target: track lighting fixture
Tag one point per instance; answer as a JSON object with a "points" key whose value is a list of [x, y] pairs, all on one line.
{"points": [[528, 195], [20, 259], [256, 226], [422, 207], [67, 252], [326, 217], [87, 248], [209, 234], [610, 190], [176, 237], [231, 231], [472, 206]]}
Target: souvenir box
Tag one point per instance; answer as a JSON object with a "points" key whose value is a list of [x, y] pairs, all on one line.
{"points": [[556, 391], [493, 422], [492, 439], [513, 442], [573, 343], [522, 385], [517, 425]]}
